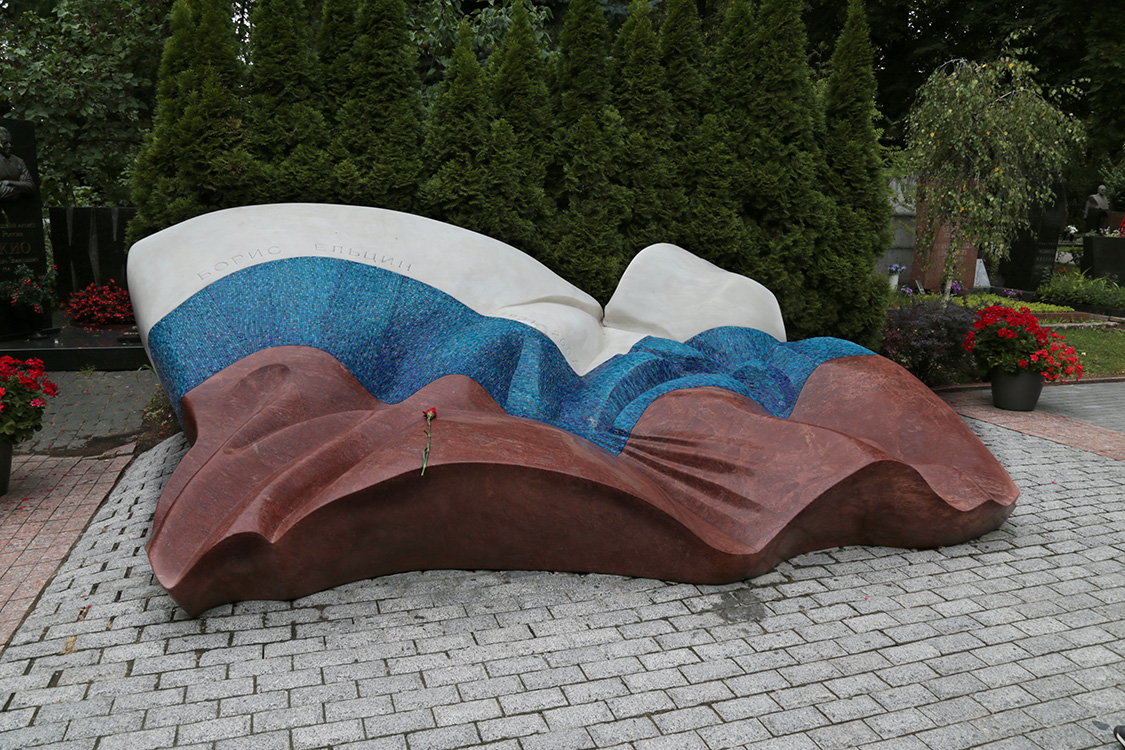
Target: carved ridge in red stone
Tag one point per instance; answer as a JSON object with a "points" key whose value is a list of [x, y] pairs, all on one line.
{"points": [[298, 480]]}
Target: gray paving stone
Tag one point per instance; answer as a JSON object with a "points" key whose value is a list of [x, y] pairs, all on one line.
{"points": [[149, 739], [327, 735], [684, 719], [266, 741], [566, 739], [623, 730], [733, 734], [287, 718], [398, 723], [706, 692], [511, 726], [444, 738]]}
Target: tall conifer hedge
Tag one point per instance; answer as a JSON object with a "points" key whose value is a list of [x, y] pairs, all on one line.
{"points": [[575, 155]]}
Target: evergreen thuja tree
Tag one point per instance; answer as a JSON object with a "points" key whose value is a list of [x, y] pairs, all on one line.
{"points": [[582, 70], [518, 90], [712, 227], [585, 179], [195, 159], [334, 42], [457, 141], [767, 102], [286, 131], [517, 84], [644, 104], [379, 136], [595, 204], [1104, 66], [857, 182], [682, 55]]}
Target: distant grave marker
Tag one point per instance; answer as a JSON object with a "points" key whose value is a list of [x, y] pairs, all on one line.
{"points": [[1032, 258], [21, 213], [21, 223]]}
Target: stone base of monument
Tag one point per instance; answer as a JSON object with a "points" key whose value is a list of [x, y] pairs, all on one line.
{"points": [[71, 348], [299, 480]]}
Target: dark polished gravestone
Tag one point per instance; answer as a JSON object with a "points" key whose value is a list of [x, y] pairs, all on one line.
{"points": [[21, 220], [89, 246], [1103, 257], [1031, 260]]}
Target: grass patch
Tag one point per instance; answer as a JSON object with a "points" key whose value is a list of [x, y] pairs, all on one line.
{"points": [[1076, 289], [1101, 350], [158, 421], [984, 300]]}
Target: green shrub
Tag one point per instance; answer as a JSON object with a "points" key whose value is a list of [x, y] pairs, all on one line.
{"points": [[926, 338], [984, 300], [1076, 289]]}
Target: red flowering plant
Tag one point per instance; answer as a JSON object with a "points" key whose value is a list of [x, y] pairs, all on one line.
{"points": [[1014, 341], [100, 305], [24, 389], [28, 289]]}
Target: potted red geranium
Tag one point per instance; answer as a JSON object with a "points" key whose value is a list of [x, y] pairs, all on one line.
{"points": [[1019, 355], [24, 389]]}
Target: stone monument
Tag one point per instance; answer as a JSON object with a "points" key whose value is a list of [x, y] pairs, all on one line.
{"points": [[1097, 209], [1031, 260], [368, 392], [21, 220]]}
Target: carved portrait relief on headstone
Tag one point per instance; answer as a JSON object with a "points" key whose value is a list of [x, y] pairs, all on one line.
{"points": [[21, 221]]}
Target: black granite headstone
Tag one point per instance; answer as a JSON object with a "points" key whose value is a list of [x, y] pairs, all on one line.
{"points": [[89, 246], [21, 213], [1031, 260], [21, 223], [1103, 257]]}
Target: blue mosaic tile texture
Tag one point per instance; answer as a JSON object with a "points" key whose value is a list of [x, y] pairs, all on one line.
{"points": [[397, 335]]}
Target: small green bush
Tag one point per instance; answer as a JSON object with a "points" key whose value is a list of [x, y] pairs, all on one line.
{"points": [[984, 300], [1076, 289], [926, 338]]}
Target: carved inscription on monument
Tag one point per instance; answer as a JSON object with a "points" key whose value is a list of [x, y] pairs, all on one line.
{"points": [[257, 255]]}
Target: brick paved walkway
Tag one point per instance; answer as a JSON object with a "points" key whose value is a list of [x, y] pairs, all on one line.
{"points": [[48, 504], [1015, 640], [50, 497], [1050, 419]]}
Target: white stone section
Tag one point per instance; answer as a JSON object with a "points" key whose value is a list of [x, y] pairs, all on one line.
{"points": [[668, 292], [665, 292]]}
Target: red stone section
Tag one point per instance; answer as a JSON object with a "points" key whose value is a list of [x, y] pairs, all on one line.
{"points": [[299, 480]]}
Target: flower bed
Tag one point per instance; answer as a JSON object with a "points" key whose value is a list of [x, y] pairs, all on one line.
{"points": [[100, 305]]}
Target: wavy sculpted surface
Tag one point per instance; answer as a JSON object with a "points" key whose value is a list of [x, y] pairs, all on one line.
{"points": [[302, 382]]}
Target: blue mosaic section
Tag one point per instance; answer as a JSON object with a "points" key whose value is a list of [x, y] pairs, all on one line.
{"points": [[397, 335]]}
